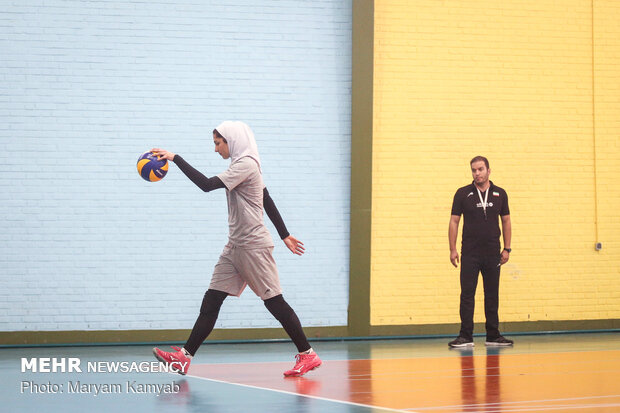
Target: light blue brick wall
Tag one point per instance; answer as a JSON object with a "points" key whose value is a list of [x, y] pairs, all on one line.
{"points": [[87, 86]]}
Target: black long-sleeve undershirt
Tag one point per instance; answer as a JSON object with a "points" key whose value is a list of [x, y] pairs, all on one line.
{"points": [[204, 183], [274, 214], [210, 184]]}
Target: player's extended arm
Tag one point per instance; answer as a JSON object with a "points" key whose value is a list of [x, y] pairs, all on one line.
{"points": [[204, 183]]}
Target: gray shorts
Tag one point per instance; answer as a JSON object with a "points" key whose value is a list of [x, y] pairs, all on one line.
{"points": [[239, 267]]}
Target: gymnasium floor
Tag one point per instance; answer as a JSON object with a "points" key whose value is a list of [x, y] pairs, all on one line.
{"points": [[556, 372]]}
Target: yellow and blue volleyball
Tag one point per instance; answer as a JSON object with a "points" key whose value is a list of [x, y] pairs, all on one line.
{"points": [[150, 168]]}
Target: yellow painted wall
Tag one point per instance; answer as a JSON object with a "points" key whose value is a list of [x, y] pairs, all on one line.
{"points": [[512, 81]]}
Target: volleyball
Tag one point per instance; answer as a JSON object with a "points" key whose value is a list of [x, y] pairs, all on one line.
{"points": [[150, 168]]}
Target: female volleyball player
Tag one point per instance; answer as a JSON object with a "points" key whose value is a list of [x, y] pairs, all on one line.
{"points": [[247, 259]]}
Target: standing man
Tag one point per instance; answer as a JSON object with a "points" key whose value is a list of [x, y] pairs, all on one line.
{"points": [[481, 204]]}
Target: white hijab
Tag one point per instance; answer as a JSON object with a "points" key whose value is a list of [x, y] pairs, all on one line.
{"points": [[241, 142]]}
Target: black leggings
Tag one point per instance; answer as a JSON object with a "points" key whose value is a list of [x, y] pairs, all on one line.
{"points": [[210, 309], [289, 320]]}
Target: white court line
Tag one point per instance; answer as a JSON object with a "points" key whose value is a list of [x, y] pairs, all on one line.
{"points": [[506, 405], [303, 395], [548, 408]]}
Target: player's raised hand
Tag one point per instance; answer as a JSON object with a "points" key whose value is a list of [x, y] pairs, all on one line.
{"points": [[293, 244], [162, 154]]}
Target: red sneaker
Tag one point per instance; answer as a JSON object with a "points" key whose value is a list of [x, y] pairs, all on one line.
{"points": [[178, 361], [305, 363]]}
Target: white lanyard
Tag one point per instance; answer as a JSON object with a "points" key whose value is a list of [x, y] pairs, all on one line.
{"points": [[484, 203]]}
